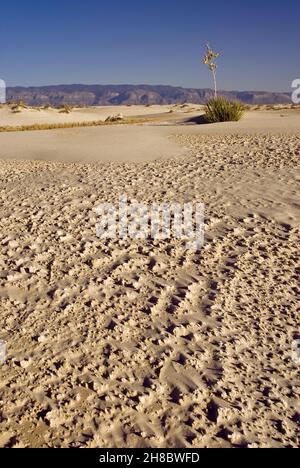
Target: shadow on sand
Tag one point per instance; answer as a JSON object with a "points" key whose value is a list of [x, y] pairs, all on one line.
{"points": [[198, 120]]}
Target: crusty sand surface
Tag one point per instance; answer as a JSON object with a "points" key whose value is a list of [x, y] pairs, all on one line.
{"points": [[140, 343]]}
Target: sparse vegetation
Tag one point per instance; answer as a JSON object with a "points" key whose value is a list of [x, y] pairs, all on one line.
{"points": [[16, 109], [22, 104], [65, 109], [18, 105], [56, 126], [221, 109]]}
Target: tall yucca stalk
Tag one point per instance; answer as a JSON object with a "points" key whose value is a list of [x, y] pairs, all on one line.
{"points": [[210, 60]]}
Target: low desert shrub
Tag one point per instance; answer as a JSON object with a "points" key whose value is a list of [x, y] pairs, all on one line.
{"points": [[65, 109], [221, 109]]}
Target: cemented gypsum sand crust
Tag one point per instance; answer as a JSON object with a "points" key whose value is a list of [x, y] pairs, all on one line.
{"points": [[128, 344]]}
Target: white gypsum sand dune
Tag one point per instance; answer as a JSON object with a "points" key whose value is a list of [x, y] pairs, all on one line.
{"points": [[140, 343], [134, 143], [23, 116]]}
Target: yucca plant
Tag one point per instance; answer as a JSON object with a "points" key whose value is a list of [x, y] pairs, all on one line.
{"points": [[219, 109], [210, 60]]}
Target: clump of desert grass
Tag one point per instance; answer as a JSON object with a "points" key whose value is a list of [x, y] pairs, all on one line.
{"points": [[220, 109], [65, 109], [17, 107]]}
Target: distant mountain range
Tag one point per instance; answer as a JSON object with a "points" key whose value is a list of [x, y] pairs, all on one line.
{"points": [[104, 95]]}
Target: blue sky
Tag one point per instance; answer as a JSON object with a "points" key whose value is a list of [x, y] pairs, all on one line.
{"points": [[151, 42]]}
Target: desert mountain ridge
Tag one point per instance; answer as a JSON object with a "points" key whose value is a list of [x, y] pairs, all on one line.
{"points": [[102, 95]]}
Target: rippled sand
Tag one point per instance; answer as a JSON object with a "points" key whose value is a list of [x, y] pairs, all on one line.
{"points": [[142, 344]]}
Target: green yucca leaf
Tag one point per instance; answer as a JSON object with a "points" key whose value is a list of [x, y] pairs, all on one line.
{"points": [[221, 110]]}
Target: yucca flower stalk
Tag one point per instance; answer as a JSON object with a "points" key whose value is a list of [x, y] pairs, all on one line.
{"points": [[210, 60]]}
